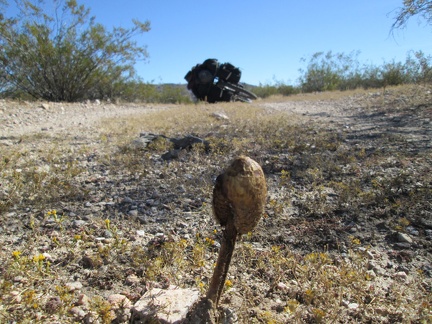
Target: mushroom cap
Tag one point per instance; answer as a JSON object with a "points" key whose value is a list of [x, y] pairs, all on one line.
{"points": [[240, 195]]}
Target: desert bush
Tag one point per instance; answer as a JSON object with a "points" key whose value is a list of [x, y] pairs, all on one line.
{"points": [[277, 88], [65, 55], [329, 71]]}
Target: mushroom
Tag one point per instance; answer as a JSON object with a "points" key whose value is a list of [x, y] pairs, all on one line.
{"points": [[238, 202]]}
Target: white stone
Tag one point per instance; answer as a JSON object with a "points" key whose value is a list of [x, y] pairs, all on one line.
{"points": [[282, 286], [405, 238], [132, 280], [167, 305], [221, 116], [353, 306], [72, 286], [402, 275], [78, 312], [140, 233]]}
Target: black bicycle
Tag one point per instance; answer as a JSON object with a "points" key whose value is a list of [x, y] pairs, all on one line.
{"points": [[215, 82], [237, 91]]}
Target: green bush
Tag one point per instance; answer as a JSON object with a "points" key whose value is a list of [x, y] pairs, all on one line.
{"points": [[329, 71], [65, 55]]}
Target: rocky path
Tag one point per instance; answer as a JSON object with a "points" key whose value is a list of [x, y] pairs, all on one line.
{"points": [[21, 118]]}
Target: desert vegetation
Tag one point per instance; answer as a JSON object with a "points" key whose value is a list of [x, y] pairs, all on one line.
{"points": [[346, 234]]}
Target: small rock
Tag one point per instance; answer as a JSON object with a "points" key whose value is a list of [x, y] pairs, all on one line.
{"points": [[140, 143], [20, 279], [412, 231], [133, 213], [132, 280], [220, 116], [402, 275], [48, 257], [127, 200], [171, 305], [119, 301], [78, 312], [45, 106], [382, 311], [72, 286], [370, 255], [404, 238], [353, 306], [15, 296], [53, 304], [140, 233], [108, 234], [83, 300], [77, 223], [282, 286]]}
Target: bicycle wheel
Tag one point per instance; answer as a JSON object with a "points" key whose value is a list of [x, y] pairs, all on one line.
{"points": [[237, 90]]}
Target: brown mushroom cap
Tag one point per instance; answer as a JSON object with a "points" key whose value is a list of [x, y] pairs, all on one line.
{"points": [[240, 195]]}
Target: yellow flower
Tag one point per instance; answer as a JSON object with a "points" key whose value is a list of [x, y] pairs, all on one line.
{"points": [[355, 240], [38, 258], [209, 241], [228, 283], [16, 254]]}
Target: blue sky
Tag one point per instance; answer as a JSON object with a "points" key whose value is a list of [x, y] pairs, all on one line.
{"points": [[266, 39]]}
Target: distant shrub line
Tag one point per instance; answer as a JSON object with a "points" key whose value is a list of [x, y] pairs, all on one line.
{"points": [[323, 72], [338, 71]]}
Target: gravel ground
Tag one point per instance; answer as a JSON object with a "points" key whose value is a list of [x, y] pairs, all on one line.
{"points": [[25, 118], [374, 122]]}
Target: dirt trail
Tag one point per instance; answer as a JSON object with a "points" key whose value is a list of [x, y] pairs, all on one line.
{"points": [[348, 114], [19, 119]]}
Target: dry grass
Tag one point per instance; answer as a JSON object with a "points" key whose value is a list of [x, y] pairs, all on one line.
{"points": [[304, 263]]}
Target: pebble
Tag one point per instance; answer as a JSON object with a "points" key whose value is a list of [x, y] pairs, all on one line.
{"points": [[133, 212], [73, 286], [78, 223], [282, 286], [353, 306], [412, 231], [127, 200], [132, 279], [404, 238], [83, 300], [48, 257], [401, 274], [78, 312], [140, 233], [119, 301]]}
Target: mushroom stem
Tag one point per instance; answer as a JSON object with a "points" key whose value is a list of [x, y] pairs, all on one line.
{"points": [[222, 265]]}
